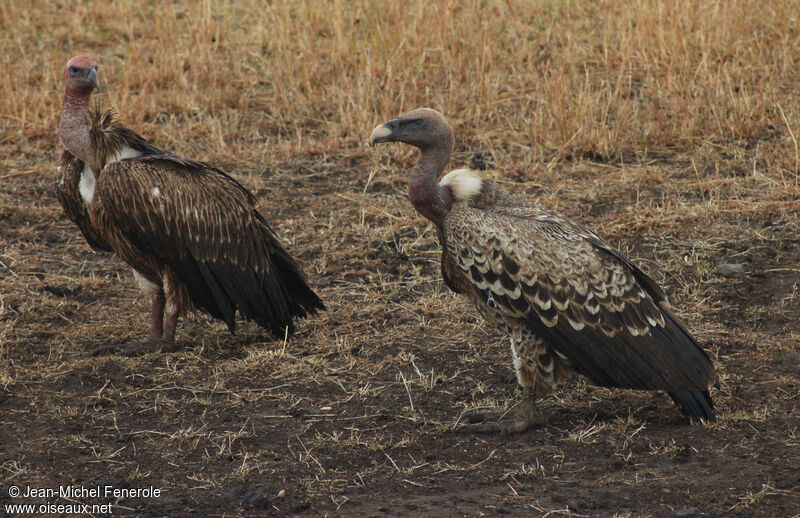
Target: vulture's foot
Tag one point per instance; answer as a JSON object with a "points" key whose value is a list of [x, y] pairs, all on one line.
{"points": [[149, 346], [104, 350], [137, 348], [514, 420]]}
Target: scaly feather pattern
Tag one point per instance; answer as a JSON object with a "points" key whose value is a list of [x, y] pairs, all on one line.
{"points": [[567, 299], [541, 272]]}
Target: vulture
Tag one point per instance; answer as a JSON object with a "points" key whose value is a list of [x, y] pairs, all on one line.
{"points": [[192, 234], [568, 300]]}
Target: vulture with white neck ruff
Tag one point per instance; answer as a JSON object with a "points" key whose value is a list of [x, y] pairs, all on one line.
{"points": [[192, 234], [567, 299]]}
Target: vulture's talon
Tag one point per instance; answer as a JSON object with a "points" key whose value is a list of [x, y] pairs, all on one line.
{"points": [[148, 346], [104, 350], [480, 416], [503, 426]]}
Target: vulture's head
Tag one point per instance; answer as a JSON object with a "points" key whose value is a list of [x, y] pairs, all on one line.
{"points": [[80, 75], [424, 128]]}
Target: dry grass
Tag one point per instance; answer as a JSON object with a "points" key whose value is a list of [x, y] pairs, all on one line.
{"points": [[669, 127], [272, 81]]}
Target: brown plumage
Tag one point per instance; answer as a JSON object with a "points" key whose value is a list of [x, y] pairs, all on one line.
{"points": [[192, 234], [567, 299]]}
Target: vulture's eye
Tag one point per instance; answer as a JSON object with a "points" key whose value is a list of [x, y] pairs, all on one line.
{"points": [[416, 123], [74, 71]]}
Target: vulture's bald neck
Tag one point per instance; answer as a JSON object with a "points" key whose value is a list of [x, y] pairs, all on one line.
{"points": [[428, 197], [74, 128]]}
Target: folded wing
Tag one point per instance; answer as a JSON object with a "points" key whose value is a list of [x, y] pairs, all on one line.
{"points": [[205, 226], [588, 301]]}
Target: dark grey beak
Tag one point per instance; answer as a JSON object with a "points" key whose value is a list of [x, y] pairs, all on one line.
{"points": [[384, 132], [92, 78]]}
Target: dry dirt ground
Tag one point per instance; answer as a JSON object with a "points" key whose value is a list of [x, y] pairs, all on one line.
{"points": [[354, 416]]}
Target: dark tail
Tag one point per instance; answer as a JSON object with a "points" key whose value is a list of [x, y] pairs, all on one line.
{"points": [[301, 299], [695, 403], [289, 284], [273, 299]]}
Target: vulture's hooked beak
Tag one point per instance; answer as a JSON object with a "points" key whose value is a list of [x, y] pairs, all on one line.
{"points": [[93, 78], [384, 132]]}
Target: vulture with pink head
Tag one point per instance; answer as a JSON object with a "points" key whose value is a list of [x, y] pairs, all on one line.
{"points": [[569, 301], [192, 234]]}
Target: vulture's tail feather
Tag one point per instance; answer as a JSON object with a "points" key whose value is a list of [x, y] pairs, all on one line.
{"points": [[695, 403]]}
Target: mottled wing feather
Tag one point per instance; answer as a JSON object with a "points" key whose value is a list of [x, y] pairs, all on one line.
{"points": [[453, 277], [590, 303], [518, 208], [205, 226], [67, 191]]}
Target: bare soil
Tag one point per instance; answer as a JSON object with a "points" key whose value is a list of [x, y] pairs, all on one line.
{"points": [[355, 415]]}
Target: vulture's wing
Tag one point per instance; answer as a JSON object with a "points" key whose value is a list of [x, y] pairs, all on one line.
{"points": [[589, 302], [68, 193], [205, 226]]}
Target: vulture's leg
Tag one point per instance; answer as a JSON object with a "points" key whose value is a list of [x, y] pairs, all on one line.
{"points": [[167, 342], [157, 302], [172, 290], [535, 367], [164, 320]]}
